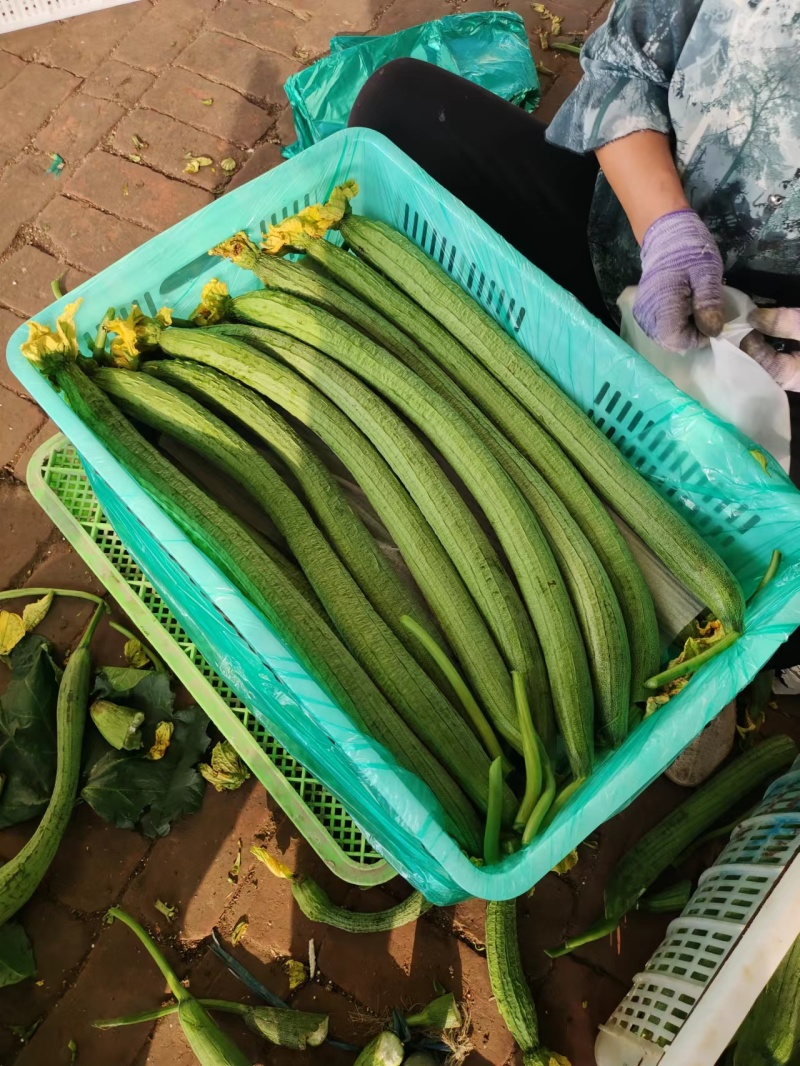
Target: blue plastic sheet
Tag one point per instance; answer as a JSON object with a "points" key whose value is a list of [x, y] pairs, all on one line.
{"points": [[489, 48], [702, 465]]}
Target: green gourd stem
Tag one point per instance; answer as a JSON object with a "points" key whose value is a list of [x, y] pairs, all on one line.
{"points": [[158, 663], [519, 532], [21, 875], [456, 681], [771, 571], [564, 46], [667, 533], [544, 801], [652, 854], [99, 345], [13, 594], [387, 592], [223, 1005], [169, 975], [530, 751], [403, 681], [226, 544], [55, 286], [561, 800], [511, 421], [494, 814], [328, 348], [597, 932], [589, 586], [689, 666], [424, 555]]}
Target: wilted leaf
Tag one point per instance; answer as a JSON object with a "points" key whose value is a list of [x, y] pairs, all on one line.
{"points": [[233, 873], [544, 40], [165, 909], [566, 863], [208, 102], [16, 955], [138, 143], [12, 630], [196, 162], [28, 731], [556, 22], [761, 459], [227, 771], [135, 654], [297, 974], [35, 613], [239, 930], [228, 164], [23, 1033], [135, 158], [312, 959], [164, 731], [72, 1048]]}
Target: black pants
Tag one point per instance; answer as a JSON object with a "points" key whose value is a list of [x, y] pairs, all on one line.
{"points": [[494, 157]]}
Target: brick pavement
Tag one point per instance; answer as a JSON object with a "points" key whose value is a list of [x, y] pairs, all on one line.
{"points": [[85, 89]]}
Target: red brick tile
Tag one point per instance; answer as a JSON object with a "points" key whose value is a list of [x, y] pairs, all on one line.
{"points": [[25, 188], [329, 18], [24, 525], [31, 43], [119, 977], [264, 158], [27, 101], [170, 141], [61, 567], [19, 420], [117, 81], [26, 277], [240, 65], [47, 430], [78, 125], [162, 33], [77, 44], [60, 942], [95, 860], [87, 237], [180, 93], [189, 867], [405, 13], [9, 322], [135, 193], [278, 31], [284, 129], [565, 1025], [10, 66]]}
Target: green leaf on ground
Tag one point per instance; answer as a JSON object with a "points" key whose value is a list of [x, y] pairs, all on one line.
{"points": [[16, 955], [28, 731], [131, 791]]}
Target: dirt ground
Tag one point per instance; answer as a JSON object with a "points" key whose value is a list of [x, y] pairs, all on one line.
{"points": [[83, 89]]}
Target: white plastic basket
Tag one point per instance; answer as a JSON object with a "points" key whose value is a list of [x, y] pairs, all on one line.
{"points": [[21, 14], [696, 989]]}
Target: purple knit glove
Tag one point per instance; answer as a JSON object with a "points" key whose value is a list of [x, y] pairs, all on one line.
{"points": [[680, 294]]}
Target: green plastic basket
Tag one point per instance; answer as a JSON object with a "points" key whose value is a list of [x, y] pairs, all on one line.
{"points": [[59, 484]]}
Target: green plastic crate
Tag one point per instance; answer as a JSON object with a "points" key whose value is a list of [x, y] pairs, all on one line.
{"points": [[59, 484]]}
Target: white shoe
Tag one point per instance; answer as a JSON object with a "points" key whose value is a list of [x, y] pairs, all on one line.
{"points": [[787, 682]]}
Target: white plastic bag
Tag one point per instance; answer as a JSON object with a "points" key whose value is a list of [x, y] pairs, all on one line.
{"points": [[721, 376]]}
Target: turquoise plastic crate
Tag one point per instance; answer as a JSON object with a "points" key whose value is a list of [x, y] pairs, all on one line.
{"points": [[704, 467], [59, 484]]}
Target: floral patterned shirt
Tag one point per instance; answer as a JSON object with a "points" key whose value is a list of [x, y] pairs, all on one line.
{"points": [[722, 78]]}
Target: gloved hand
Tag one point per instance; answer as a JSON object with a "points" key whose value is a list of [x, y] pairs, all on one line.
{"points": [[783, 322], [679, 298]]}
